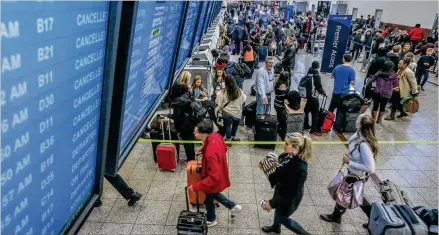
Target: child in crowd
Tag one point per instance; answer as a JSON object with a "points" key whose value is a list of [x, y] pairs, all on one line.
{"points": [[198, 91]]}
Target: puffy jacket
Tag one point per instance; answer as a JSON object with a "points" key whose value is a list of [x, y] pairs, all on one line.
{"points": [[180, 99], [416, 34], [385, 82], [289, 59], [215, 171]]}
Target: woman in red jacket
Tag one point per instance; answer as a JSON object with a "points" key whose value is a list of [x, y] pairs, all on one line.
{"points": [[214, 172], [416, 35]]}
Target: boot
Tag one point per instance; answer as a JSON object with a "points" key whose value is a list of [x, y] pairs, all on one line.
{"points": [[374, 115], [391, 117], [380, 117], [134, 198], [334, 217], [271, 229]]}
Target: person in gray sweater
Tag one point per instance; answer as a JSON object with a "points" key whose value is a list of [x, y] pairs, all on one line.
{"points": [[363, 151]]}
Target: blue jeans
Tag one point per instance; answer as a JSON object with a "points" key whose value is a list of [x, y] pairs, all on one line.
{"points": [[231, 125], [260, 107], [210, 206], [424, 76], [288, 223], [239, 81]]}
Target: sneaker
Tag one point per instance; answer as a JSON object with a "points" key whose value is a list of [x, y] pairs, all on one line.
{"points": [[211, 223], [134, 198], [236, 209]]}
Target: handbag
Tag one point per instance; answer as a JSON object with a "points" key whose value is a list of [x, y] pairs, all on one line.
{"points": [[348, 190], [219, 115]]}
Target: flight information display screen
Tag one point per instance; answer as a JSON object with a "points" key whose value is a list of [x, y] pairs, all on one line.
{"points": [[154, 45], [52, 64], [200, 22], [207, 19], [188, 32]]}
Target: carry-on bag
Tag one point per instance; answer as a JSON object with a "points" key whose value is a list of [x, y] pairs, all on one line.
{"points": [[395, 220], [326, 118], [390, 192], [266, 130], [157, 134], [345, 121], [193, 223], [166, 152], [250, 114], [295, 122], [193, 170]]}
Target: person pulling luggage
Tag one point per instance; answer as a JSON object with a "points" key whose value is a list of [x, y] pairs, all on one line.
{"points": [[264, 84], [360, 161], [214, 172]]}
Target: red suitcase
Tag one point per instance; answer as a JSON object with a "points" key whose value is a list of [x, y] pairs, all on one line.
{"points": [[327, 123], [166, 152]]}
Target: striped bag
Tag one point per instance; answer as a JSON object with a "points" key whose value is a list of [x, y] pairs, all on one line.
{"points": [[268, 165]]}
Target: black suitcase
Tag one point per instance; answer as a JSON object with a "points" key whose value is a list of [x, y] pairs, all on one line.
{"points": [[194, 223], [266, 130], [157, 134], [250, 114], [346, 121]]}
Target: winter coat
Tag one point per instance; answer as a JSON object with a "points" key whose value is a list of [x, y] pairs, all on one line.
{"points": [[215, 171], [395, 59], [290, 174], [289, 59], [407, 83], [181, 99], [416, 34], [385, 82], [376, 65]]}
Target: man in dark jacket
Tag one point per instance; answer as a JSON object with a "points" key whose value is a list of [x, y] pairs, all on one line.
{"points": [[394, 56], [313, 86], [237, 37], [231, 69], [214, 171], [289, 58]]}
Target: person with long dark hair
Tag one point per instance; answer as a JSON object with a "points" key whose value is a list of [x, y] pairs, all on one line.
{"points": [[281, 89], [230, 100]]}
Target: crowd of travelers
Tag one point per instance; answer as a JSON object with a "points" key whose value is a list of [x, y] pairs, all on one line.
{"points": [[215, 118]]}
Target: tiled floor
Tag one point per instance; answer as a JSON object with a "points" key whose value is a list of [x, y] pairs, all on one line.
{"points": [[413, 166]]}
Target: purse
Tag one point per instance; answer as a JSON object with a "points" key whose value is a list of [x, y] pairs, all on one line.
{"points": [[348, 190], [219, 115]]}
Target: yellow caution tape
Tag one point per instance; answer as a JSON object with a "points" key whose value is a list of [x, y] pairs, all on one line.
{"points": [[281, 142]]}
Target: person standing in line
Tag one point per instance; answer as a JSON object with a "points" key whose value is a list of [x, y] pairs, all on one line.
{"points": [[344, 77], [289, 58], [282, 87], [214, 171], [291, 173], [360, 161], [264, 84], [230, 100], [312, 104]]}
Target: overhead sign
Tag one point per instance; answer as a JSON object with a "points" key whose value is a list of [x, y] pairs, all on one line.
{"points": [[337, 35]]}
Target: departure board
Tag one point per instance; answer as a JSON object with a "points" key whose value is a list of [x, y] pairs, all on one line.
{"points": [[52, 63], [207, 18], [188, 32], [200, 22], [154, 45]]}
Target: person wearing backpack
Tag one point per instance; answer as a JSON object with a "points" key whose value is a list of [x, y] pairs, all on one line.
{"points": [[360, 161], [248, 57], [385, 80], [312, 83], [231, 69]]}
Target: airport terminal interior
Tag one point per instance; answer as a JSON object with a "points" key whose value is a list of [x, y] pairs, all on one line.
{"points": [[102, 73]]}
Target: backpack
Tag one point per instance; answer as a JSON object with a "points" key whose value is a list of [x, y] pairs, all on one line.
{"points": [[198, 111], [242, 69], [303, 84]]}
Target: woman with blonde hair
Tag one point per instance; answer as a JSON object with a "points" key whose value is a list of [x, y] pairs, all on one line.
{"points": [[363, 152], [290, 177], [185, 78]]}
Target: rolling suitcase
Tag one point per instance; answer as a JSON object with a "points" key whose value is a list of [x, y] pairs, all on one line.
{"points": [[157, 134], [326, 118], [263, 53], [266, 130], [193, 223], [345, 121], [166, 152], [193, 170], [395, 219], [250, 114]]}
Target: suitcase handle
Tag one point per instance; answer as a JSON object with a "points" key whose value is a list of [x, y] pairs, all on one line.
{"points": [[323, 105], [187, 199], [162, 126]]}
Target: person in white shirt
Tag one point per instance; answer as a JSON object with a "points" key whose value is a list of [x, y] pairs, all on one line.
{"points": [[363, 152], [231, 100], [264, 85]]}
